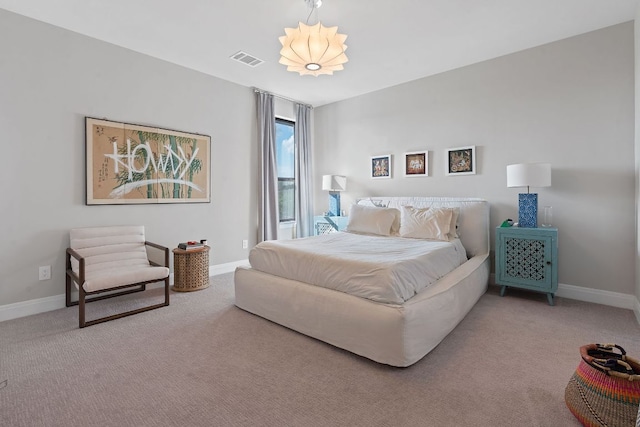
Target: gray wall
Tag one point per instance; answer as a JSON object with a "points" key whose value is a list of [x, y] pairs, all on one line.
{"points": [[570, 103], [50, 79]]}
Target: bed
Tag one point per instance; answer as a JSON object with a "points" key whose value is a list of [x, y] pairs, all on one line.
{"points": [[397, 329]]}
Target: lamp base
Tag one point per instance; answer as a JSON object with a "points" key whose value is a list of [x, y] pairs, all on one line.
{"points": [[334, 203], [528, 210]]}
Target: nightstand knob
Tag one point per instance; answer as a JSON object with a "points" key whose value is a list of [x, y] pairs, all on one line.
{"points": [[548, 262]]}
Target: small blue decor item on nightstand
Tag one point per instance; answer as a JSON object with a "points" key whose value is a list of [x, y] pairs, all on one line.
{"points": [[528, 210]]}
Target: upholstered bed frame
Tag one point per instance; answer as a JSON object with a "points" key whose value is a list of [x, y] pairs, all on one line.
{"points": [[393, 334]]}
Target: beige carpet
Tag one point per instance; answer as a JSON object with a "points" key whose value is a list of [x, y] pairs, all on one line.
{"points": [[203, 362]]}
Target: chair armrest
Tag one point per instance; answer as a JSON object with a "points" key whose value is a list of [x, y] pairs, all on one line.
{"points": [[162, 248], [74, 254], [79, 278], [155, 245]]}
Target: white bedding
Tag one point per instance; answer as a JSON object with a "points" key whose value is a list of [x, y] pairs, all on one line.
{"points": [[379, 268]]}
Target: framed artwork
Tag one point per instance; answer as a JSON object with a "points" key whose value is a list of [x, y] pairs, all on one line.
{"points": [[416, 164], [381, 166], [461, 161], [133, 164]]}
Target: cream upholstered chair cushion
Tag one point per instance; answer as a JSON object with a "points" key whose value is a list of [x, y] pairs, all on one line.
{"points": [[114, 256]]}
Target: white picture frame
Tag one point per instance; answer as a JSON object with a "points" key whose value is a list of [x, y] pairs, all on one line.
{"points": [[380, 166], [461, 161], [416, 164]]}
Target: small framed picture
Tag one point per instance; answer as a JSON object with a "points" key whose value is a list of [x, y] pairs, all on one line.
{"points": [[381, 166], [416, 164], [461, 161]]}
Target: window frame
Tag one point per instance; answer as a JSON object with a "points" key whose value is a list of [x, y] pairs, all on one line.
{"points": [[281, 220]]}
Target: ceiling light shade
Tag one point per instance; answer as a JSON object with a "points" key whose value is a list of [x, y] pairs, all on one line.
{"points": [[313, 50]]}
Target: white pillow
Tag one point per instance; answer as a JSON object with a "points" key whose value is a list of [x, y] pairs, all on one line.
{"points": [[379, 203], [453, 228], [395, 226], [425, 223], [371, 220]]}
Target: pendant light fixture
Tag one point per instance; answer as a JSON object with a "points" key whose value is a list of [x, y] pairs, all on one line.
{"points": [[313, 49]]}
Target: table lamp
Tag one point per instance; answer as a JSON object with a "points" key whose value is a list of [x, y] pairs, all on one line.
{"points": [[334, 184], [528, 175]]}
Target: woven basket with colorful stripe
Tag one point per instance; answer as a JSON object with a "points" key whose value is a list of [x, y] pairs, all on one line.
{"points": [[605, 388]]}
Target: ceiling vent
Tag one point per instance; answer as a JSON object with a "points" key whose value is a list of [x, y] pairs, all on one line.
{"points": [[246, 59]]}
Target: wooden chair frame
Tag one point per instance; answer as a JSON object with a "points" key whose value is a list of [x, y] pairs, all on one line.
{"points": [[82, 297]]}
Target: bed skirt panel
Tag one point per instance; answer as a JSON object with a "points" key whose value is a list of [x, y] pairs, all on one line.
{"points": [[393, 334]]}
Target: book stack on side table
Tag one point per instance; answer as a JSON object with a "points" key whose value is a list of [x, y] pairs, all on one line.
{"points": [[189, 246]]}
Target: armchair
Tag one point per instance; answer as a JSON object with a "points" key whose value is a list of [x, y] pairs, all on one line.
{"points": [[106, 259]]}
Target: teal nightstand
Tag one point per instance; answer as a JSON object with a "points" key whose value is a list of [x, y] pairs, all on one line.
{"points": [[329, 224], [527, 258]]}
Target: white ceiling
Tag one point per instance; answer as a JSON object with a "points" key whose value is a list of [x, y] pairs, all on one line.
{"points": [[390, 42]]}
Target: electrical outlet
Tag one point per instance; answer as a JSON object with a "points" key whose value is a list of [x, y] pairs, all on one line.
{"points": [[245, 244], [44, 273]]}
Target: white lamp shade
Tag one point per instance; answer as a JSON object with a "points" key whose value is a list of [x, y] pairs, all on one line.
{"points": [[334, 182], [529, 175]]}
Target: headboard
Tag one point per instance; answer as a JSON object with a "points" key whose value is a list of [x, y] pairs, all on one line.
{"points": [[473, 221]]}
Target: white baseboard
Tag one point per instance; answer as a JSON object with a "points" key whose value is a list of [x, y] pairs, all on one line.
{"points": [[230, 267], [597, 296], [34, 306], [41, 305], [613, 299]]}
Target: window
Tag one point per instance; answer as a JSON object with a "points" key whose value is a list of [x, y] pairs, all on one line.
{"points": [[285, 161]]}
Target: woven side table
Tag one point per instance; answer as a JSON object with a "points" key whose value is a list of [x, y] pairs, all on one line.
{"points": [[190, 269]]}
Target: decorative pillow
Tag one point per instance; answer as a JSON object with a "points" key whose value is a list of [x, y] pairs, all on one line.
{"points": [[371, 220], [379, 203], [453, 228], [395, 226], [426, 223]]}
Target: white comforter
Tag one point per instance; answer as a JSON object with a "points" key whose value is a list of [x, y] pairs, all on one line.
{"points": [[383, 269]]}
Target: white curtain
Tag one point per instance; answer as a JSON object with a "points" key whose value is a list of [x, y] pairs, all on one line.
{"points": [[268, 203], [304, 183]]}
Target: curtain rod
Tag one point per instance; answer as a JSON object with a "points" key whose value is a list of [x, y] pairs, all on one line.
{"points": [[255, 89]]}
